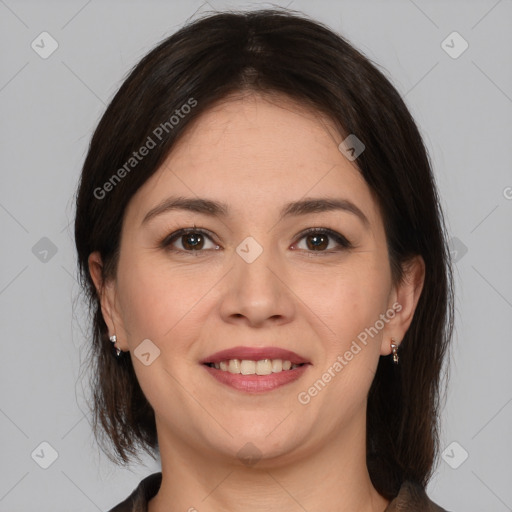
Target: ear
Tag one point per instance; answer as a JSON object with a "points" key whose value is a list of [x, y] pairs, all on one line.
{"points": [[107, 293], [403, 300]]}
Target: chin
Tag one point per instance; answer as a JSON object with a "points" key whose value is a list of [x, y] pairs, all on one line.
{"points": [[253, 444]]}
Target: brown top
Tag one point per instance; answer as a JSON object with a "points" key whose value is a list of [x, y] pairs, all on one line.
{"points": [[411, 498]]}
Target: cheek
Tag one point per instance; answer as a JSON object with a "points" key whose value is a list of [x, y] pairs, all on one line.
{"points": [[350, 304], [357, 299], [347, 299], [154, 302]]}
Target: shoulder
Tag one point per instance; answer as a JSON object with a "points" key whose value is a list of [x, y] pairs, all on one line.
{"points": [[412, 497], [139, 498]]}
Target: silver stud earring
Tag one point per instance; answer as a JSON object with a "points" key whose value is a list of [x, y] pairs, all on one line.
{"points": [[394, 348], [113, 339]]}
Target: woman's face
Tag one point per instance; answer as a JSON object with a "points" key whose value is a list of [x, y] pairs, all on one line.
{"points": [[251, 277]]}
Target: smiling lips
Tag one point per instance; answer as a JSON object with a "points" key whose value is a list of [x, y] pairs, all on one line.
{"points": [[255, 354], [255, 369]]}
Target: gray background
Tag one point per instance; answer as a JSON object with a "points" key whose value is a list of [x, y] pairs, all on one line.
{"points": [[49, 108]]}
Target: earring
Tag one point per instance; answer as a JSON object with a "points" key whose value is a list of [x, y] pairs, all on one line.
{"points": [[113, 339], [394, 348]]}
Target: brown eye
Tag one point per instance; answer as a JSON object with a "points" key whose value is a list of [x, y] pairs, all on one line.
{"points": [[319, 240], [190, 239]]}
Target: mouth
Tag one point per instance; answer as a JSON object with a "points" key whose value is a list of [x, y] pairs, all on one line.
{"points": [[255, 369], [251, 367], [255, 360]]}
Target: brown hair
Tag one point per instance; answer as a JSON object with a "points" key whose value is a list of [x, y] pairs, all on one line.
{"points": [[285, 52]]}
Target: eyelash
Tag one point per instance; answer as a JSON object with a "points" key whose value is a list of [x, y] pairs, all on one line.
{"points": [[342, 241]]}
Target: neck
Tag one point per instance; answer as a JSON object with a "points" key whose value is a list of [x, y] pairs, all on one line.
{"points": [[331, 478]]}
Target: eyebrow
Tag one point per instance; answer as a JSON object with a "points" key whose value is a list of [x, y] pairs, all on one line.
{"points": [[218, 209]]}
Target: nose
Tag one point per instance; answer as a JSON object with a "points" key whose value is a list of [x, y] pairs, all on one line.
{"points": [[256, 292]]}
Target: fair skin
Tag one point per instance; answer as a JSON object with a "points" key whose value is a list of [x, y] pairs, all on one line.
{"points": [[257, 155]]}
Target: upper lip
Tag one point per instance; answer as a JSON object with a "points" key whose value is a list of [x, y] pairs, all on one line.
{"points": [[254, 354]]}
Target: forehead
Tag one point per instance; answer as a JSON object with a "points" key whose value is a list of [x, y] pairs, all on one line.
{"points": [[262, 128], [255, 152]]}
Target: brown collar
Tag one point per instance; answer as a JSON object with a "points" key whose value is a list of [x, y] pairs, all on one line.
{"points": [[411, 498]]}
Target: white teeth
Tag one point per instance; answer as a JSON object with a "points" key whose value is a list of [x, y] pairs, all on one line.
{"points": [[277, 365], [264, 367], [234, 366], [249, 367]]}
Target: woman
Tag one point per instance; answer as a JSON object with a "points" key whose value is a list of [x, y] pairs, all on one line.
{"points": [[259, 233]]}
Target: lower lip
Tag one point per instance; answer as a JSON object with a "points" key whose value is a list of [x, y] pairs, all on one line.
{"points": [[256, 383]]}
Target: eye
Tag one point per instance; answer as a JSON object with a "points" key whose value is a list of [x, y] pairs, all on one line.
{"points": [[317, 240], [190, 239]]}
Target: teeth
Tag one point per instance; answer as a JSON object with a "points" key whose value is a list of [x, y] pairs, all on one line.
{"points": [[248, 367], [277, 365], [234, 366], [264, 367]]}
